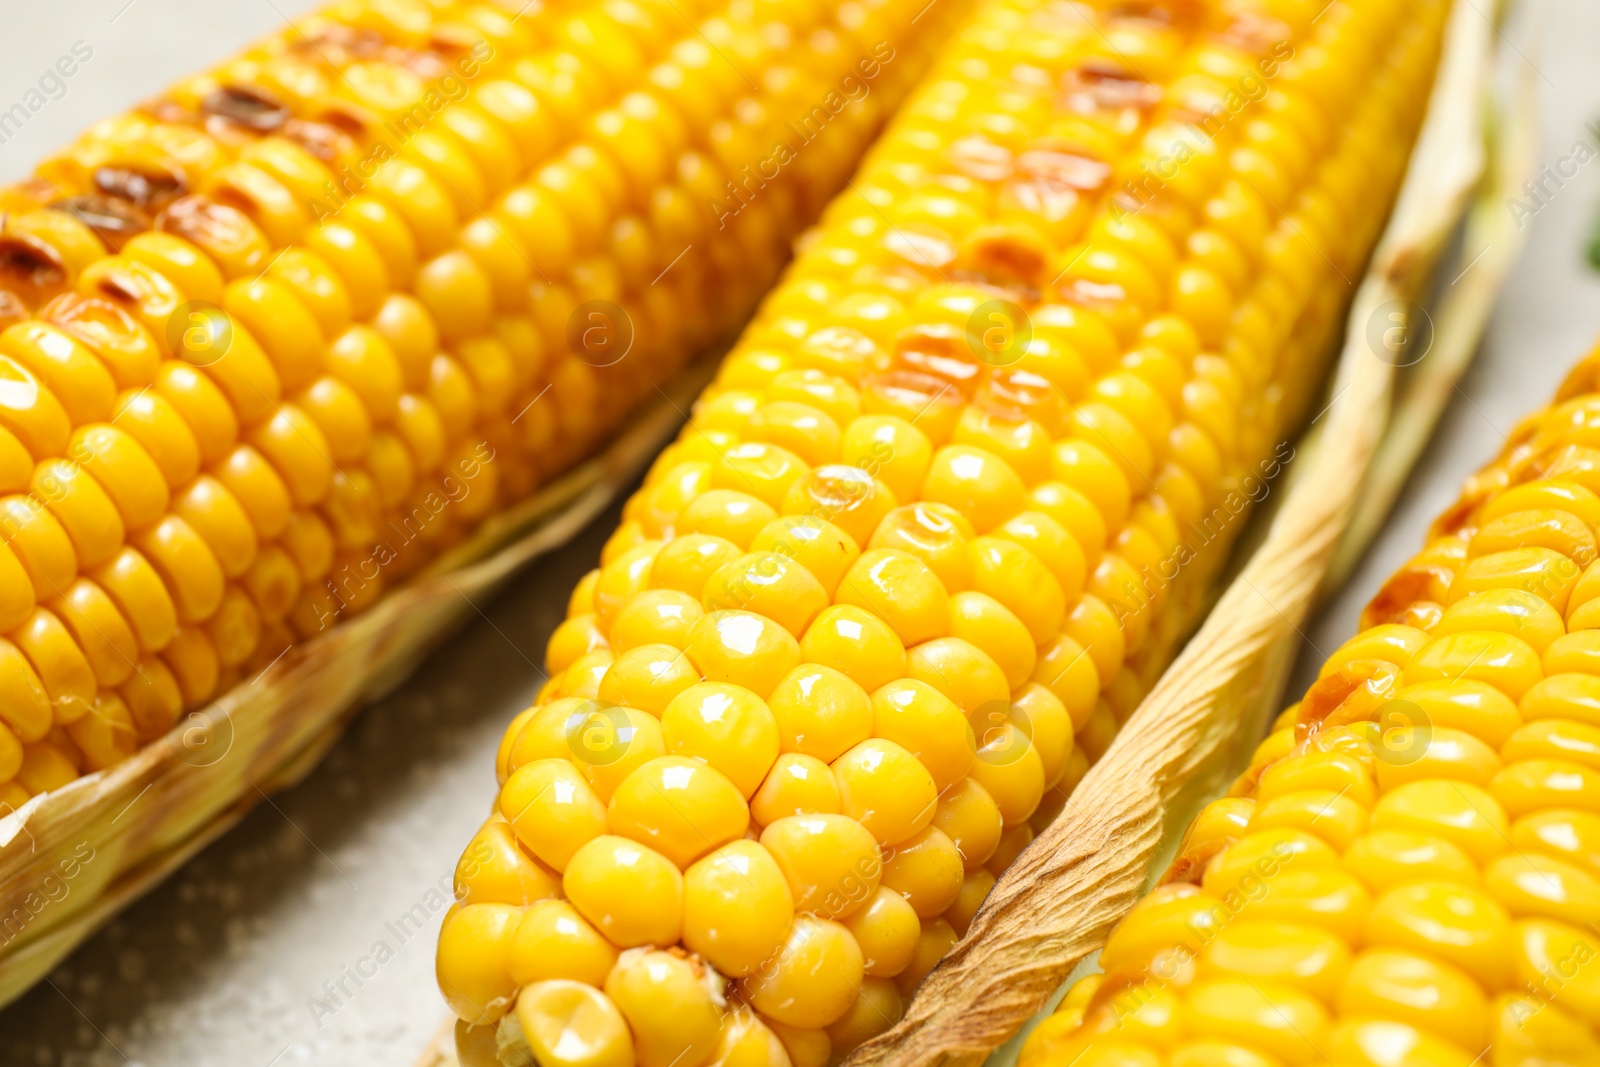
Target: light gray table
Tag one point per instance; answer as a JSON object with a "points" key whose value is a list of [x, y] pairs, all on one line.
{"points": [[224, 964]]}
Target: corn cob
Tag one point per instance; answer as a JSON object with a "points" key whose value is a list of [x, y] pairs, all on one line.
{"points": [[869, 619], [274, 339], [1406, 873]]}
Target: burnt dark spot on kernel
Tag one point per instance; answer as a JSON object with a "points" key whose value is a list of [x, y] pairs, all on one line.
{"points": [[324, 140], [113, 221], [30, 269], [143, 189], [254, 109]]}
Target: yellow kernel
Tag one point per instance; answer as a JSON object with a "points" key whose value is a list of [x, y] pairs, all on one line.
{"points": [[60, 664], [647, 678], [632, 894], [726, 726], [621, 579], [815, 978], [1311, 961], [976, 483], [747, 1041], [857, 644], [885, 788], [983, 621], [1457, 924], [1541, 947], [763, 471], [901, 591], [936, 534], [1410, 753], [848, 497], [577, 636], [1458, 812], [495, 870], [927, 870], [890, 449], [962, 672], [737, 907], [820, 547], [1505, 662], [1010, 771], [1531, 884], [685, 563], [554, 942], [729, 513], [1085, 468], [888, 931], [1385, 859], [975, 887], [876, 1008], [796, 785], [743, 649], [769, 584], [473, 964], [552, 809], [933, 944], [831, 862], [1414, 989], [679, 807], [1014, 577], [654, 617], [571, 1024], [1264, 1015], [926, 723], [799, 428]]}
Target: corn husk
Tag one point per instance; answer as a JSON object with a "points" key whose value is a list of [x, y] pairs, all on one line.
{"points": [[1444, 254], [71, 859]]}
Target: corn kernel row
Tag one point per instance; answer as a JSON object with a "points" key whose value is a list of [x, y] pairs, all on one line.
{"points": [[870, 618], [279, 336], [1407, 873]]}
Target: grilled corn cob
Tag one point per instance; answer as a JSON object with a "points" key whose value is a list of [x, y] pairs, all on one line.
{"points": [[272, 340], [1406, 873], [872, 615]]}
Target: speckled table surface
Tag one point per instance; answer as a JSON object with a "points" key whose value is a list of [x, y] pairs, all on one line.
{"points": [[305, 936]]}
